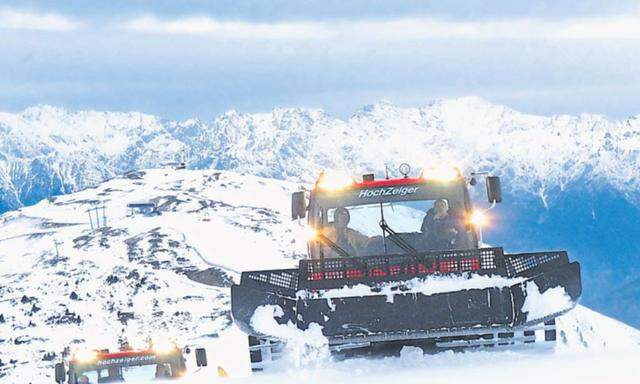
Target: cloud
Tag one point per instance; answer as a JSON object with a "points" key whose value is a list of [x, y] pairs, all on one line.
{"points": [[28, 20], [621, 27], [613, 27], [202, 25]]}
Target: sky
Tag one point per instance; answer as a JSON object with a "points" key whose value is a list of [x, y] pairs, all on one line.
{"points": [[179, 59]]}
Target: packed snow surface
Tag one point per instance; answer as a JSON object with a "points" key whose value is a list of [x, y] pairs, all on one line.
{"points": [[591, 349]]}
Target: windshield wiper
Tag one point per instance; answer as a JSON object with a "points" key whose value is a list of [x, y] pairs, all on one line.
{"points": [[393, 236], [398, 240], [334, 247]]}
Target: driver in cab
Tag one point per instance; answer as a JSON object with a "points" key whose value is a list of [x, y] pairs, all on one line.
{"points": [[350, 240]]}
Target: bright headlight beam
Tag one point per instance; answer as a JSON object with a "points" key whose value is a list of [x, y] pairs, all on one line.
{"points": [[310, 233], [334, 180], [163, 346], [478, 218], [443, 173], [85, 355]]}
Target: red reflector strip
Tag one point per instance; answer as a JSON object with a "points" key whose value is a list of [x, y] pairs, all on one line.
{"points": [[442, 266], [448, 266], [354, 273], [470, 264], [333, 275], [415, 269]]}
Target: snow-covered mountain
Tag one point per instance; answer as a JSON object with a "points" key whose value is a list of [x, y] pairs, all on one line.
{"points": [[136, 275], [47, 151], [571, 182]]}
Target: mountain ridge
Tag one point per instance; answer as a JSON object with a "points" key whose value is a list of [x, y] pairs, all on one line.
{"points": [[47, 150]]}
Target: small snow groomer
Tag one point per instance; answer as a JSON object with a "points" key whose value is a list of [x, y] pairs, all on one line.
{"points": [[104, 366], [414, 244]]}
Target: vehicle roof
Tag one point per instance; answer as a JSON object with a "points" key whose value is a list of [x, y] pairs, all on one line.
{"points": [[379, 183], [390, 182], [112, 355], [391, 190], [120, 354], [129, 358]]}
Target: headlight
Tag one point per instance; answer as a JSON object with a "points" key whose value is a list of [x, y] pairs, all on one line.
{"points": [[310, 233], [162, 346], [478, 218], [85, 355], [333, 180], [440, 173]]}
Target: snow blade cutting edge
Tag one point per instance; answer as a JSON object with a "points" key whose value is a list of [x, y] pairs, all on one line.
{"points": [[412, 316]]}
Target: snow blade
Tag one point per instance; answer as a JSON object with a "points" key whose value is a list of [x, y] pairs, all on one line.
{"points": [[411, 316], [276, 287]]}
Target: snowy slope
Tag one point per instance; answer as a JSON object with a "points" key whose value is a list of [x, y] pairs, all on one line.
{"points": [[591, 349], [46, 150], [136, 276], [131, 277]]}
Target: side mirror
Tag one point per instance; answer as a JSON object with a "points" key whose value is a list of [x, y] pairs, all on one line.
{"points": [[298, 205], [60, 373], [494, 191], [201, 357]]}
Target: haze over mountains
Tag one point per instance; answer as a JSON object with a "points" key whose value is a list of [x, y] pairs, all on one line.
{"points": [[571, 182]]}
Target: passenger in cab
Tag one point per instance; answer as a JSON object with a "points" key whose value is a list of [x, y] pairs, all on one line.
{"points": [[440, 226], [350, 240]]}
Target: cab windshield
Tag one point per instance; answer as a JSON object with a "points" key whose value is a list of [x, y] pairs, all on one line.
{"points": [[394, 228]]}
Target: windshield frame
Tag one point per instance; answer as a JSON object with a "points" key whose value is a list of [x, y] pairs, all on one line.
{"points": [[455, 192]]}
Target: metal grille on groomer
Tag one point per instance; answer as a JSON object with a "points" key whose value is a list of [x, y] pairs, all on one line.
{"points": [[283, 280], [335, 273], [520, 264]]}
